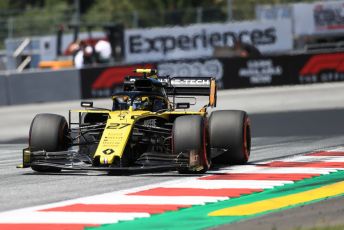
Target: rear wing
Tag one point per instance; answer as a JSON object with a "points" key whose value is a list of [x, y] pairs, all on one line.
{"points": [[186, 86]]}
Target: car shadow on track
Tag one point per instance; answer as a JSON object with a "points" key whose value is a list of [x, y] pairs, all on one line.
{"points": [[132, 174]]}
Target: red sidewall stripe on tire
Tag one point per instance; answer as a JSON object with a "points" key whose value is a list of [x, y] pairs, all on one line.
{"points": [[245, 147], [205, 160]]}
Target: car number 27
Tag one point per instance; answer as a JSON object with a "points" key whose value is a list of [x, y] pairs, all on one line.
{"points": [[117, 125]]}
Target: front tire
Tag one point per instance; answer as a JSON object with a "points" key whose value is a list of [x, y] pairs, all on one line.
{"points": [[48, 132], [230, 130], [189, 136]]}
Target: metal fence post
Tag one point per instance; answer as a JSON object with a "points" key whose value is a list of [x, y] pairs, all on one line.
{"points": [[199, 15], [229, 10], [10, 27], [135, 19]]}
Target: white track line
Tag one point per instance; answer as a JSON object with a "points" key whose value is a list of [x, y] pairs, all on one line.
{"points": [[224, 184], [340, 149], [315, 158], [263, 169], [273, 170]]}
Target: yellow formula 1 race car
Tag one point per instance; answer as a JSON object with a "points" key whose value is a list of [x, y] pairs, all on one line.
{"points": [[145, 130]]}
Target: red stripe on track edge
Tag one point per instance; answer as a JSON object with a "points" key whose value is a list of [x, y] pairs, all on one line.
{"points": [[260, 176], [151, 209], [314, 164], [334, 154]]}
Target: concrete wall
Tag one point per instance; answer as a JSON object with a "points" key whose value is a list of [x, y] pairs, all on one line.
{"points": [[3, 90], [43, 86]]}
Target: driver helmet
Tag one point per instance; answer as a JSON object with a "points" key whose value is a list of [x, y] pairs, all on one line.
{"points": [[142, 103]]}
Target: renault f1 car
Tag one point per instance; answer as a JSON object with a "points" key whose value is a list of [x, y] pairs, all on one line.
{"points": [[145, 130]]}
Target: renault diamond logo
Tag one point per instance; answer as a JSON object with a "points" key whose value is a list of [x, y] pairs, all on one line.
{"points": [[108, 151]]}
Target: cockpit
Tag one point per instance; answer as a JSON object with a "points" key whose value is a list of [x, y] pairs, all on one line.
{"points": [[139, 101]]}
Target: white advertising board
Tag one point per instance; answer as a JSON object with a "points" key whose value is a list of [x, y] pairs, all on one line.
{"points": [[198, 41], [318, 18]]}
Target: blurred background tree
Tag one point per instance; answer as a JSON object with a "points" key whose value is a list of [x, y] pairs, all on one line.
{"points": [[41, 17]]}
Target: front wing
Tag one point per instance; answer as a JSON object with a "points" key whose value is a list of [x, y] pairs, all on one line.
{"points": [[72, 160]]}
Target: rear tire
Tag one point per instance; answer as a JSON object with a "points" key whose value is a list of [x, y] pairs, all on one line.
{"points": [[230, 129], [189, 135], [48, 132]]}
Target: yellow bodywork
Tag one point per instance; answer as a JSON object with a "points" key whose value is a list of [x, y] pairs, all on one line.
{"points": [[118, 129], [116, 134]]}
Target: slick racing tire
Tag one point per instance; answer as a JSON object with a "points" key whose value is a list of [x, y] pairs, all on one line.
{"points": [[230, 130], [48, 132], [189, 135]]}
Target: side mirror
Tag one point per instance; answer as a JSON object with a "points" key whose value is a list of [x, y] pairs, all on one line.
{"points": [[87, 104], [183, 105], [213, 94]]}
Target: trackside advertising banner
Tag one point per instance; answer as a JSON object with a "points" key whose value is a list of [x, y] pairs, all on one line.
{"points": [[198, 41], [319, 18], [193, 68], [282, 70], [230, 73], [98, 82]]}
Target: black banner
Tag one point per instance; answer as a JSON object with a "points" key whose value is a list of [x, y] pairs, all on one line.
{"points": [[243, 72], [283, 70], [230, 73]]}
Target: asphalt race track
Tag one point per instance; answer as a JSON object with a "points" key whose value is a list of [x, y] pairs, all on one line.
{"points": [[285, 121]]}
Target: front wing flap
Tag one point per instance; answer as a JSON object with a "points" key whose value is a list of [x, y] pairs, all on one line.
{"points": [[122, 170]]}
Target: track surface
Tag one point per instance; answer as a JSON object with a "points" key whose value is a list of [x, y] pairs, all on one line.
{"points": [[285, 121]]}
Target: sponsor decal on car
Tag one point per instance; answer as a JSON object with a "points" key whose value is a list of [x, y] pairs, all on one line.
{"points": [[187, 82], [108, 151], [150, 123]]}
